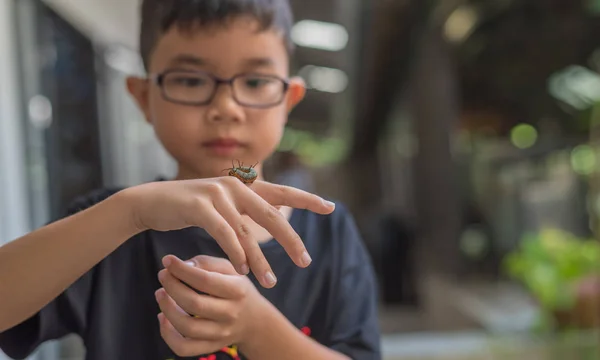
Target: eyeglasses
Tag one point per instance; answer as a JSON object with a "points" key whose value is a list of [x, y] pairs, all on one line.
{"points": [[199, 88]]}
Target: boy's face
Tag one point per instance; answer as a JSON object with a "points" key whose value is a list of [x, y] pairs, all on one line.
{"points": [[204, 139]]}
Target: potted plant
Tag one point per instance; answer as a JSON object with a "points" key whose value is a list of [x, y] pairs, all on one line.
{"points": [[562, 273]]}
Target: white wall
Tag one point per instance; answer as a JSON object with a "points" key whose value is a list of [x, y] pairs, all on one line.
{"points": [[14, 212], [105, 22], [132, 153], [108, 21]]}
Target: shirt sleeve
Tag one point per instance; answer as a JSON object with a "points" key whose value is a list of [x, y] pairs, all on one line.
{"points": [[355, 323], [64, 315]]}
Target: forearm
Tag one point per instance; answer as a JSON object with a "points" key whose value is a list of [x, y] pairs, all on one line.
{"points": [[37, 267], [277, 339]]}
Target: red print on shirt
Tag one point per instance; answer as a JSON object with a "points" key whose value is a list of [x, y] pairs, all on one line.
{"points": [[233, 352], [229, 350]]}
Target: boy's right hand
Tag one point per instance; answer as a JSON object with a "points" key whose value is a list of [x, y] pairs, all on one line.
{"points": [[217, 205]]}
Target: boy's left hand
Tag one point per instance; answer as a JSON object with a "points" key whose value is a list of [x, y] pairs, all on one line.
{"points": [[227, 315]]}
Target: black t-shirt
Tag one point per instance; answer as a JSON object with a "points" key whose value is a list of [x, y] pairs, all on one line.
{"points": [[113, 308]]}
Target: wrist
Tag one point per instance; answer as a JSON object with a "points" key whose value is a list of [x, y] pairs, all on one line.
{"points": [[261, 318], [125, 201]]}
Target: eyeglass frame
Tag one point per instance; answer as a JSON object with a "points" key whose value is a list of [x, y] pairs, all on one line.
{"points": [[158, 79]]}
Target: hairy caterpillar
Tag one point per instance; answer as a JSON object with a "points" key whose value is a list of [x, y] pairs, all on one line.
{"points": [[246, 174]]}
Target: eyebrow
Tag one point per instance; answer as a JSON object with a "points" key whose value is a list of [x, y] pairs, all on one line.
{"points": [[259, 62], [187, 59]]}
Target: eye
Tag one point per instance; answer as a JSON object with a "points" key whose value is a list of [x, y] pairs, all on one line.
{"points": [[183, 80], [188, 81], [257, 82]]}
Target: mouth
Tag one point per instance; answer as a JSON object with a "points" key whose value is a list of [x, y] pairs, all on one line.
{"points": [[222, 146]]}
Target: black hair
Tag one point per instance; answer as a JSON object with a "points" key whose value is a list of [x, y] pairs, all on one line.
{"points": [[158, 16]]}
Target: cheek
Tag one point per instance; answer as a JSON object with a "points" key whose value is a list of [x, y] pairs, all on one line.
{"points": [[173, 123], [269, 128]]}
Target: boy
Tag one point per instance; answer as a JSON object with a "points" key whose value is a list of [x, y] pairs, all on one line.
{"points": [[218, 90]]}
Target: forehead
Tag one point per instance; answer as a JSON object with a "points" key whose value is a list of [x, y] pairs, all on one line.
{"points": [[222, 48]]}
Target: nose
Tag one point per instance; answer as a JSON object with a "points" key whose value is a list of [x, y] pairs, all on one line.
{"points": [[223, 106]]}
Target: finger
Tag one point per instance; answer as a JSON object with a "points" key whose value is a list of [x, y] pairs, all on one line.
{"points": [[213, 263], [186, 325], [181, 346], [184, 294], [259, 264], [278, 195], [212, 283], [228, 211], [220, 229], [254, 255], [277, 225]]}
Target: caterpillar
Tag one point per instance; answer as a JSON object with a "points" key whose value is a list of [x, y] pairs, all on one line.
{"points": [[246, 174]]}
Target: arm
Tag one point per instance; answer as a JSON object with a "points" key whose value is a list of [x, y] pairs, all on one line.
{"points": [[234, 313], [278, 339], [353, 318], [37, 267]]}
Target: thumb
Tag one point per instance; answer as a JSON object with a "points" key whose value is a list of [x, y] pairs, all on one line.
{"points": [[215, 264]]}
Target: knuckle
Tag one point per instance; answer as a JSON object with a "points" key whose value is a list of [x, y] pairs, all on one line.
{"points": [[222, 229], [196, 203], [257, 258], [285, 194], [202, 260], [197, 306], [232, 317], [229, 181], [272, 214], [243, 231], [226, 332], [214, 188], [187, 328], [241, 291], [283, 191]]}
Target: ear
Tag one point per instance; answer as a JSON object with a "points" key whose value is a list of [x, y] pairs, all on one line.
{"points": [[296, 92], [139, 88]]}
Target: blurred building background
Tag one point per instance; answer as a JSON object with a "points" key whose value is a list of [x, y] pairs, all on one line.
{"points": [[452, 128]]}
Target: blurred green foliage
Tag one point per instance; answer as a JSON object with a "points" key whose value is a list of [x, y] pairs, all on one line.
{"points": [[314, 150], [550, 264]]}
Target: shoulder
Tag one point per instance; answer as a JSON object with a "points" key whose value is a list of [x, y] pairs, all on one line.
{"points": [[90, 199]]}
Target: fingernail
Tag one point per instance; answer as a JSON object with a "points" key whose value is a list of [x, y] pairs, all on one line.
{"points": [[190, 263], [159, 295], [160, 317], [245, 269], [166, 261], [306, 260], [270, 278], [328, 203]]}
